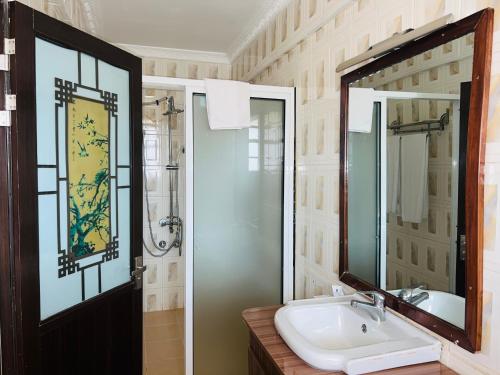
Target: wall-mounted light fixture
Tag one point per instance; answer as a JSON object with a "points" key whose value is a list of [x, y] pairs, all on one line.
{"points": [[395, 42]]}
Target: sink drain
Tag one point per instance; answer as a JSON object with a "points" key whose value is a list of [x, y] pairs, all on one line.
{"points": [[363, 328]]}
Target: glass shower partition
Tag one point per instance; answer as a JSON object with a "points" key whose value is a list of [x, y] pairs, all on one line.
{"points": [[364, 225], [238, 180]]}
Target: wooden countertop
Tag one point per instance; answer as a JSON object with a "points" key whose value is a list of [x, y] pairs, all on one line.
{"points": [[260, 322]]}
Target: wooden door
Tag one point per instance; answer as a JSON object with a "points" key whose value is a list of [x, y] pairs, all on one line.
{"points": [[70, 202]]}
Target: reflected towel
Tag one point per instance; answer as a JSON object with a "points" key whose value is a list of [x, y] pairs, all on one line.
{"points": [[393, 180], [413, 170], [360, 109], [228, 104]]}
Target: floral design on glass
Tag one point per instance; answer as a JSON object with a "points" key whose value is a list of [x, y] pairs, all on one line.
{"points": [[88, 177]]}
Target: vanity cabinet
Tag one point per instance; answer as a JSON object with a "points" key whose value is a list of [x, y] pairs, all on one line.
{"points": [[269, 355], [254, 366]]}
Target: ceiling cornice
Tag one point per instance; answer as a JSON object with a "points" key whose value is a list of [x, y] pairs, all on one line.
{"points": [[257, 24], [176, 54]]}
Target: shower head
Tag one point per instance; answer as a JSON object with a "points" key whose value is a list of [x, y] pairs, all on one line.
{"points": [[156, 101], [171, 110]]}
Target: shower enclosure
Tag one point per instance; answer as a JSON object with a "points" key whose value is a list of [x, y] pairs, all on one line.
{"points": [[238, 222]]}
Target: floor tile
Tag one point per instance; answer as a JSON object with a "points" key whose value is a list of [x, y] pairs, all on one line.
{"points": [[156, 318], [157, 351], [163, 342], [169, 367], [162, 332]]}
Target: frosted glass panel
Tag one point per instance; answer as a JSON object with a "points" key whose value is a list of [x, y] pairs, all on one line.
{"points": [[363, 201], [82, 128], [238, 214]]}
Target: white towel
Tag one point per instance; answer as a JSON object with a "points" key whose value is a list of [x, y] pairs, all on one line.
{"points": [[393, 180], [360, 109], [413, 169], [228, 104]]}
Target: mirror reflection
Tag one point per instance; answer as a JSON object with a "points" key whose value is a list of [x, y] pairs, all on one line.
{"points": [[406, 152]]}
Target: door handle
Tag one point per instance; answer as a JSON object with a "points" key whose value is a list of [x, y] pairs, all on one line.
{"points": [[138, 271]]}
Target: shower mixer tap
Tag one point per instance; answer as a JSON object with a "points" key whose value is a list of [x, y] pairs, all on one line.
{"points": [[169, 221]]}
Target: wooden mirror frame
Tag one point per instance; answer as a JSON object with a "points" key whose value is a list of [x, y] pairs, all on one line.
{"points": [[481, 23]]}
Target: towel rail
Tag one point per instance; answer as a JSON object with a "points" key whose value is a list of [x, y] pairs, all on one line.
{"points": [[425, 126]]}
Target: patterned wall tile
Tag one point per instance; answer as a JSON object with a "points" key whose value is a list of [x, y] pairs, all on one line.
{"points": [[153, 299], [173, 298], [350, 31]]}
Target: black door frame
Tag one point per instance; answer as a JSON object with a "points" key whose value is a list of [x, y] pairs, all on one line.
{"points": [[21, 329], [460, 264]]}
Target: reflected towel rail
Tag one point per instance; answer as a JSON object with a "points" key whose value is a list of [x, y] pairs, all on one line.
{"points": [[424, 126]]}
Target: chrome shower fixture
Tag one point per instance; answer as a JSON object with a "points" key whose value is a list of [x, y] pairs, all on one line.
{"points": [[156, 101], [171, 110], [173, 220]]}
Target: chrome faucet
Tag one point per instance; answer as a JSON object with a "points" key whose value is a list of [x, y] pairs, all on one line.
{"points": [[376, 308], [407, 295]]}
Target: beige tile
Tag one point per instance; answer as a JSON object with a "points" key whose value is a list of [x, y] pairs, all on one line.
{"points": [[168, 367], [179, 314], [161, 351], [162, 332], [158, 318]]}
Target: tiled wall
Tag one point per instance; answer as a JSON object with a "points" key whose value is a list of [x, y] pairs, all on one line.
{"points": [[164, 277], [77, 13], [184, 68], [420, 253], [310, 67]]}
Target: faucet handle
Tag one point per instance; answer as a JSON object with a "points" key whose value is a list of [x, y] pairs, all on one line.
{"points": [[378, 298], [421, 286]]}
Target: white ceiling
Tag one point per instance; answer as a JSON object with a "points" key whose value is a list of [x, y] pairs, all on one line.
{"points": [[222, 26]]}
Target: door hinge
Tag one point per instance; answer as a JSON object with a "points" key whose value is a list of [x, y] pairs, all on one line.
{"points": [[5, 115], [9, 49], [139, 269], [10, 102], [5, 118], [4, 62], [9, 46]]}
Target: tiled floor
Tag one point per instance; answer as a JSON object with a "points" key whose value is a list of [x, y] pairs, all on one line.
{"points": [[164, 342]]}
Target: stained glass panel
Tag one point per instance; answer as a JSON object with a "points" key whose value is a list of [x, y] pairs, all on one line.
{"points": [[83, 138]]}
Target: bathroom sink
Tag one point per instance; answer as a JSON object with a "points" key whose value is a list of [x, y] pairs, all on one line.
{"points": [[447, 306], [331, 335]]}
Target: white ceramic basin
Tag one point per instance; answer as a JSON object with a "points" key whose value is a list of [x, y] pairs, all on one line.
{"points": [[331, 335], [444, 305]]}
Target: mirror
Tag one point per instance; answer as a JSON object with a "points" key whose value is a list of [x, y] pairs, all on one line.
{"points": [[404, 178], [409, 154]]}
